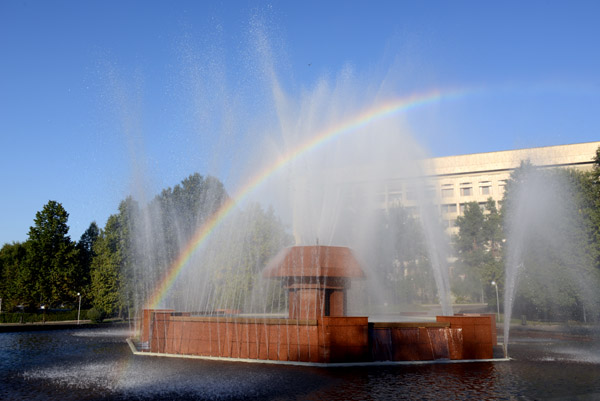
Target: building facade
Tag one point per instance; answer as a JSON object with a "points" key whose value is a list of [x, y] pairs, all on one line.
{"points": [[454, 181]]}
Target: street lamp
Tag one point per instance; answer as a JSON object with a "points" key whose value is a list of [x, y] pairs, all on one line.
{"points": [[497, 300], [79, 309], [43, 314]]}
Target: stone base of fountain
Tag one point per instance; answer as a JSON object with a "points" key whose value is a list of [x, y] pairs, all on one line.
{"points": [[322, 340], [317, 329]]}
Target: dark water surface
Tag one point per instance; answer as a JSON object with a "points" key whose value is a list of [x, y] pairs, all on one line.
{"points": [[96, 364]]}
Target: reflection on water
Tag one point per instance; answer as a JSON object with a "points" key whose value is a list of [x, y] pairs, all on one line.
{"points": [[96, 364]]}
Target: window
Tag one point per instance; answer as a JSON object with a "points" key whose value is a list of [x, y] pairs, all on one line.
{"points": [[395, 195], [411, 194], [466, 191], [413, 211], [485, 188], [449, 208], [393, 198], [501, 186], [447, 191], [449, 223], [462, 208]]}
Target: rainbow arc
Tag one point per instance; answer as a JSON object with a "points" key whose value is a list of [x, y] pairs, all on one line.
{"points": [[381, 111]]}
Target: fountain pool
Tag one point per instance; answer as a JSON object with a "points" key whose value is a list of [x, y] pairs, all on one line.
{"points": [[96, 364]]}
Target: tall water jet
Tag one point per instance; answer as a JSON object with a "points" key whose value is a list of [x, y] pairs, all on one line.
{"points": [[332, 191], [548, 270], [322, 157]]}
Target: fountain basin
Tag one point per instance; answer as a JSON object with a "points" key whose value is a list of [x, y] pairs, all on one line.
{"points": [[323, 340], [317, 329]]}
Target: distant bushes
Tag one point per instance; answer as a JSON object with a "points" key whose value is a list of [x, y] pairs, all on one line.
{"points": [[49, 316]]}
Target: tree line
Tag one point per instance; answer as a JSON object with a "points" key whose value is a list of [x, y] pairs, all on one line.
{"points": [[559, 257], [50, 269]]}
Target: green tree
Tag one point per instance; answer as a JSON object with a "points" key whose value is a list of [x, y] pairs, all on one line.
{"points": [[129, 258], [550, 239], [401, 259], [178, 212], [239, 253], [164, 227], [52, 256], [104, 269], [16, 287], [589, 206], [478, 246], [113, 279], [85, 246]]}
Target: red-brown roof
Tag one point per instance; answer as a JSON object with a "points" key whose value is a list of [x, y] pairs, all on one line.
{"points": [[314, 261]]}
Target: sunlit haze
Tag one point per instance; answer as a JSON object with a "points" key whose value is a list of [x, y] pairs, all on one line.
{"points": [[100, 100]]}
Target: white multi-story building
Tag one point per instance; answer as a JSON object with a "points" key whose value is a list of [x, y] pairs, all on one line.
{"points": [[453, 181]]}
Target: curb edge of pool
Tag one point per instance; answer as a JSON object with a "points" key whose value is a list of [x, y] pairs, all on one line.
{"points": [[135, 351]]}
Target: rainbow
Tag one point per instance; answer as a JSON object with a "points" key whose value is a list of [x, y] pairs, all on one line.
{"points": [[376, 113]]}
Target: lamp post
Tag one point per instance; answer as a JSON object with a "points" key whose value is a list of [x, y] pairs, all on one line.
{"points": [[79, 309], [497, 301], [43, 314]]}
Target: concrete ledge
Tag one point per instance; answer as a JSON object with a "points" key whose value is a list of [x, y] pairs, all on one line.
{"points": [[311, 364], [384, 325]]}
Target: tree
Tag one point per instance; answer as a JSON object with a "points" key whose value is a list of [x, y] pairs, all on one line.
{"points": [[104, 269], [52, 256], [478, 246], [113, 279], [235, 256], [85, 246], [176, 213], [16, 286], [162, 229], [129, 258], [590, 207], [550, 243], [401, 259]]}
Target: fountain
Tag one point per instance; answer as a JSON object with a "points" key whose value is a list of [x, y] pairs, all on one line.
{"points": [[322, 158], [546, 251], [317, 329]]}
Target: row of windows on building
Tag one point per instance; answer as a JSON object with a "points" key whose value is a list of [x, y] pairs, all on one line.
{"points": [[468, 189], [452, 208], [465, 189], [448, 209]]}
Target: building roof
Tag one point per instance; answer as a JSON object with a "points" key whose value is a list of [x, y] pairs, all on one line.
{"points": [[547, 156]]}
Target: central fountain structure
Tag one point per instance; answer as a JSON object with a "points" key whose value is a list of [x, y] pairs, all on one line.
{"points": [[317, 329], [316, 278]]}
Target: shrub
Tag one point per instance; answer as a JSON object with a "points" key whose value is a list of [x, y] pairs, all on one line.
{"points": [[96, 315]]}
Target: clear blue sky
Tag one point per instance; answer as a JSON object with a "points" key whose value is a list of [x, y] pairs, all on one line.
{"points": [[94, 94]]}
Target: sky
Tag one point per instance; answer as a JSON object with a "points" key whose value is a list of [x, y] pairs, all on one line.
{"points": [[100, 99]]}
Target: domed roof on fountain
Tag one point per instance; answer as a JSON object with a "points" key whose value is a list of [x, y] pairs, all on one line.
{"points": [[314, 261]]}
